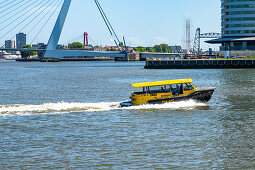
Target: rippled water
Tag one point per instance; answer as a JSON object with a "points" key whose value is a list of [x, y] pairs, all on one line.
{"points": [[66, 115]]}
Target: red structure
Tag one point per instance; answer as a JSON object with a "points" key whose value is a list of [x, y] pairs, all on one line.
{"points": [[86, 39]]}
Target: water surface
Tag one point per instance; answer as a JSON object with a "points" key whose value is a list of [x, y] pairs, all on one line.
{"points": [[67, 115]]}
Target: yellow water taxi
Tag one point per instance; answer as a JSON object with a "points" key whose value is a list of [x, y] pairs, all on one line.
{"points": [[161, 92]]}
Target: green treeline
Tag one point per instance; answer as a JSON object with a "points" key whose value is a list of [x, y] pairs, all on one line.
{"points": [[27, 54], [76, 45], [162, 48]]}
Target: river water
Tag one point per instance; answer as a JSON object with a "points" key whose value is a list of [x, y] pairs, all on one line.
{"points": [[65, 115]]}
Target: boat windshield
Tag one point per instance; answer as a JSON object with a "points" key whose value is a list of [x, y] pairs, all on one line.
{"points": [[188, 86]]}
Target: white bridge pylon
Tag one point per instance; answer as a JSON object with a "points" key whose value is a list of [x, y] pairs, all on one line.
{"points": [[51, 50]]}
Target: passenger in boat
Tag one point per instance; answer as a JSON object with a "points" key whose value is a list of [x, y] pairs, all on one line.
{"points": [[162, 89], [181, 89], [176, 90], [171, 88]]}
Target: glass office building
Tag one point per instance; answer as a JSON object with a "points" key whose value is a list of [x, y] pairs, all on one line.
{"points": [[237, 25]]}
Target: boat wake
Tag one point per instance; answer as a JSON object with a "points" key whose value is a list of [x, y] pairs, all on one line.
{"points": [[64, 107]]}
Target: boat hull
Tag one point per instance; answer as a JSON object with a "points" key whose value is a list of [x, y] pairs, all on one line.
{"points": [[201, 95]]}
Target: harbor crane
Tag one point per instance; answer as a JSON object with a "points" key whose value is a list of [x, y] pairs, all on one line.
{"points": [[198, 36]]}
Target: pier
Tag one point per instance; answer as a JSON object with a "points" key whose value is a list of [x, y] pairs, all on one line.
{"points": [[200, 64]]}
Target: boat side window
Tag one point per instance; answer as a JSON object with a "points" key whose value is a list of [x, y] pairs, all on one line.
{"points": [[188, 86], [176, 89]]}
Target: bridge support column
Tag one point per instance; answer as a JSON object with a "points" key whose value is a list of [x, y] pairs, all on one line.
{"points": [[55, 35]]}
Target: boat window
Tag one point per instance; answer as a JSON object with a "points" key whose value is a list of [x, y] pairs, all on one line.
{"points": [[176, 89], [188, 86], [157, 89]]}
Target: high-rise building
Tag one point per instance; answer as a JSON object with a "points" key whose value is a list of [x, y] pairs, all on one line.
{"points": [[9, 44], [21, 40], [237, 26]]}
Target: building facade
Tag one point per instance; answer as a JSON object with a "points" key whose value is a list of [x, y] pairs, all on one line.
{"points": [[9, 44], [237, 26], [21, 40]]}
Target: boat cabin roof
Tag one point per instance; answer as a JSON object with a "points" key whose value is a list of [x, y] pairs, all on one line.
{"points": [[162, 83]]}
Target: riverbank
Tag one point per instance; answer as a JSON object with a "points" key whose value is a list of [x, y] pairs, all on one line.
{"points": [[200, 64]]}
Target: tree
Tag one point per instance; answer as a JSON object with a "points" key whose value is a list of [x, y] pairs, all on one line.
{"points": [[158, 48], [76, 45], [150, 49], [162, 48], [140, 49], [27, 54]]}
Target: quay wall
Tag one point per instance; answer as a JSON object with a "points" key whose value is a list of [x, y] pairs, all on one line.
{"points": [[199, 64]]}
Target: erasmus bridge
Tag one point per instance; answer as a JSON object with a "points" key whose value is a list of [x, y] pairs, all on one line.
{"points": [[39, 9]]}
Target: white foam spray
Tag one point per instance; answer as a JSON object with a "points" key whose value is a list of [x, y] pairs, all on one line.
{"points": [[64, 107]]}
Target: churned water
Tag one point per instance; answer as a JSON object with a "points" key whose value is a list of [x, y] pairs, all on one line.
{"points": [[66, 116]]}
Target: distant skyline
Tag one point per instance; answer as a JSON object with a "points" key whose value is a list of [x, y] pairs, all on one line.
{"points": [[143, 22]]}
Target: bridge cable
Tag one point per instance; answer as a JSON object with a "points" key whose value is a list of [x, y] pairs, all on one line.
{"points": [[108, 21], [40, 12], [33, 19], [108, 24], [73, 39], [90, 39], [46, 22], [11, 7], [13, 11], [22, 20], [7, 4], [4, 1], [40, 20], [104, 19], [19, 16]]}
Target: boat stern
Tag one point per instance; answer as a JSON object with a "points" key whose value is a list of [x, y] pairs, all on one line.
{"points": [[126, 104]]}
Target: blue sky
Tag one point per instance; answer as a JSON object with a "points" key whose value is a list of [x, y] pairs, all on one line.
{"points": [[142, 22]]}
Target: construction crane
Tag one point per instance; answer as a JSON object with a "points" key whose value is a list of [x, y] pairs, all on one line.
{"points": [[198, 36]]}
